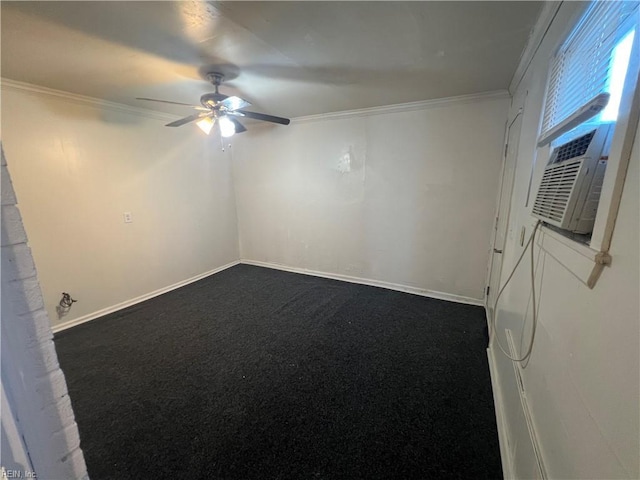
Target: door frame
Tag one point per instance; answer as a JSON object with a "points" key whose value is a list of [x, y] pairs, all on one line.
{"points": [[503, 204]]}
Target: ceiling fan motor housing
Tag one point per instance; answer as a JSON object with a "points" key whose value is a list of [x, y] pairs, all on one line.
{"points": [[220, 106], [210, 100]]}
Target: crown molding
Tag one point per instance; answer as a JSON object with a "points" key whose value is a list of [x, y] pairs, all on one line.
{"points": [[405, 107], [119, 107], [84, 100]]}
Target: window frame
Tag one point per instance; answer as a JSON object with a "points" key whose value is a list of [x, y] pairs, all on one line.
{"points": [[587, 261]]}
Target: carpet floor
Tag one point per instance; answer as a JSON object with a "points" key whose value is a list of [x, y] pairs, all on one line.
{"points": [[255, 373]]}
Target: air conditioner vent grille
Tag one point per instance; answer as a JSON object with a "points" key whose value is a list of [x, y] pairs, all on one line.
{"points": [[574, 148], [555, 190]]}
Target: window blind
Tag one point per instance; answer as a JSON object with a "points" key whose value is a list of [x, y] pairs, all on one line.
{"points": [[580, 69]]}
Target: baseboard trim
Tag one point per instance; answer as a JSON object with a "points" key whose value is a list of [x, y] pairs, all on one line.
{"points": [[500, 419], [517, 371], [365, 281], [141, 298]]}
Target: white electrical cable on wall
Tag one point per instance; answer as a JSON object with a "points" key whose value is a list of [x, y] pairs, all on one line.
{"points": [[493, 321]]}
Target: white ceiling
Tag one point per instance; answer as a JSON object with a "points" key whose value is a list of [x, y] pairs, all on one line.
{"points": [[288, 58]]}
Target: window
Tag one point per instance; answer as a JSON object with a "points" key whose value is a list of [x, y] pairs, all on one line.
{"points": [[592, 86], [617, 73], [592, 61], [586, 80]]}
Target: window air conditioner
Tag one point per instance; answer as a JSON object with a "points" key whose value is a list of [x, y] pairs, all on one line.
{"points": [[570, 188]]}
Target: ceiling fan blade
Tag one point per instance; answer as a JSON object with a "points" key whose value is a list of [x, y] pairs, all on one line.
{"points": [[239, 127], [190, 118], [262, 116], [167, 101], [233, 103]]}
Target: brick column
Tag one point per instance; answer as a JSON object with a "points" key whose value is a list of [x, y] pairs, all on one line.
{"points": [[31, 376]]}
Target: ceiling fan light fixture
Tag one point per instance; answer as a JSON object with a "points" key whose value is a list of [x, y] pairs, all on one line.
{"points": [[227, 128], [205, 124], [234, 103], [219, 108]]}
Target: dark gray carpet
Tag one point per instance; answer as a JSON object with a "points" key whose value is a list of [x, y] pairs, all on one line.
{"points": [[255, 373]]}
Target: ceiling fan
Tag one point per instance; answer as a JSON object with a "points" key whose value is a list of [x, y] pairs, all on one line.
{"points": [[221, 109]]}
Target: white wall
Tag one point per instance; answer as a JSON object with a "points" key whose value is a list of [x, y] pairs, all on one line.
{"points": [[582, 382], [404, 197], [77, 166], [39, 435]]}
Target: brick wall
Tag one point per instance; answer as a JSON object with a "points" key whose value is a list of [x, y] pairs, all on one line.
{"points": [[31, 376]]}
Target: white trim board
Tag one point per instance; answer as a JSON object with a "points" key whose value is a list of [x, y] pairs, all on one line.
{"points": [[345, 278], [84, 100], [528, 449], [405, 107], [120, 107], [505, 456], [585, 263], [141, 298], [372, 283], [533, 437]]}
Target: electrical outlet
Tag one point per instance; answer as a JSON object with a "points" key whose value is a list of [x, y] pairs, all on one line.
{"points": [[128, 218]]}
